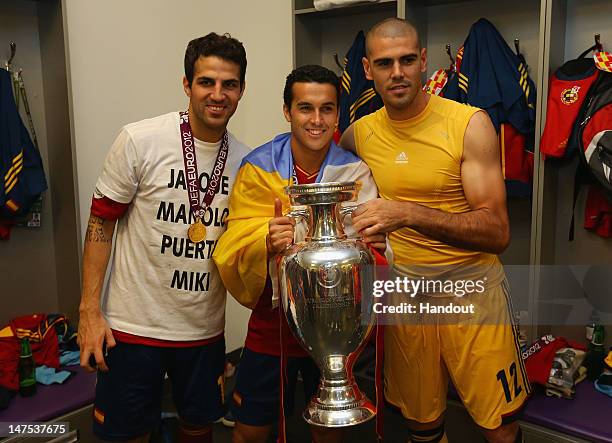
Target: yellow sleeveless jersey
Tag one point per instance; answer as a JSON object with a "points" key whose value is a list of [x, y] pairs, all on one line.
{"points": [[419, 160]]}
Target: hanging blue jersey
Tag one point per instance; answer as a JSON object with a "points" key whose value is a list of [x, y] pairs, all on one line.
{"points": [[22, 178], [358, 97], [492, 77]]}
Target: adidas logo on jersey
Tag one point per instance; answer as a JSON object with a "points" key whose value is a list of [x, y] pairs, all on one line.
{"points": [[401, 158]]}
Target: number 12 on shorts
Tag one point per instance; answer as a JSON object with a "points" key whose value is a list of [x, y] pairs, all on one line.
{"points": [[501, 376]]}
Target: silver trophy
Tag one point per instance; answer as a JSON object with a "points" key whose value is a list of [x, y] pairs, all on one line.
{"points": [[325, 285]]}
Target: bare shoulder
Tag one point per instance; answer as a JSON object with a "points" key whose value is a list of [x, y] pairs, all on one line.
{"points": [[480, 137], [347, 141]]}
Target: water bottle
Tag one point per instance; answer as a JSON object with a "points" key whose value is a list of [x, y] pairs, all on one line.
{"points": [[27, 370]]}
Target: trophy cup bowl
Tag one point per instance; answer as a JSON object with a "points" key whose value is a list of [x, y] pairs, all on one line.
{"points": [[325, 285]]}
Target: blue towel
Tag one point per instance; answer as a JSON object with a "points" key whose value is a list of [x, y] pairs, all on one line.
{"points": [[70, 358], [48, 376], [603, 383]]}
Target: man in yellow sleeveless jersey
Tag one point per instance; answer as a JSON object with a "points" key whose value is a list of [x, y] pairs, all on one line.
{"points": [[443, 205]]}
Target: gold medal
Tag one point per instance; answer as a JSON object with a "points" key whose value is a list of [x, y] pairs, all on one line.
{"points": [[197, 231]]}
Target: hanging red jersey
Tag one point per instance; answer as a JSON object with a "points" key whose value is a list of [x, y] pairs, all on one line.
{"points": [[568, 88], [517, 160], [598, 212]]}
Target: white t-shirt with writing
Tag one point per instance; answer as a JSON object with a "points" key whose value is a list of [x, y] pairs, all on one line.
{"points": [[161, 284]]}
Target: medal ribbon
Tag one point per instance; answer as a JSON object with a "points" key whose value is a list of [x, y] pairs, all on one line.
{"points": [[191, 168]]}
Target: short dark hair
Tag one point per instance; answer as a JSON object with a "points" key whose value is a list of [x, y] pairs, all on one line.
{"points": [[310, 74], [223, 46], [391, 27]]}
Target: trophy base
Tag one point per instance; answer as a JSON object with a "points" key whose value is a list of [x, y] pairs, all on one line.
{"points": [[336, 414]]}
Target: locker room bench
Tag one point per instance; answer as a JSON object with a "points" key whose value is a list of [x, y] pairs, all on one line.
{"points": [[586, 418], [69, 402]]}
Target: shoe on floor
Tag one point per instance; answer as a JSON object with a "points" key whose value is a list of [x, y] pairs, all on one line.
{"points": [[228, 420]]}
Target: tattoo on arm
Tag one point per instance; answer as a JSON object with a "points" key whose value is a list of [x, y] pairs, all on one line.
{"points": [[95, 231]]}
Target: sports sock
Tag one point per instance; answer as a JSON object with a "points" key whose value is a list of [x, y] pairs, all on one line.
{"points": [[435, 435], [188, 433]]}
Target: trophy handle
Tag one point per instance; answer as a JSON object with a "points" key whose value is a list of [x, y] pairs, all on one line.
{"points": [[299, 214], [347, 210], [343, 212]]}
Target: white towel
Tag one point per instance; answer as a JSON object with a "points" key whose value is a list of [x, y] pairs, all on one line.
{"points": [[323, 5]]}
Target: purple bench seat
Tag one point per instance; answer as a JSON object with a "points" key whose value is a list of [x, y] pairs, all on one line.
{"points": [[53, 401], [588, 415]]}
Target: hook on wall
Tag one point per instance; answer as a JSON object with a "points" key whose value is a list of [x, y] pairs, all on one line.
{"points": [[517, 46], [447, 48], [337, 61], [13, 47], [596, 47]]}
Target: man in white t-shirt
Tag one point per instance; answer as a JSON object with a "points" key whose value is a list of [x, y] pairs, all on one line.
{"points": [[165, 184]]}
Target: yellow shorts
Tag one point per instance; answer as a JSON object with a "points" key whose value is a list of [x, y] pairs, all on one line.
{"points": [[483, 361]]}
